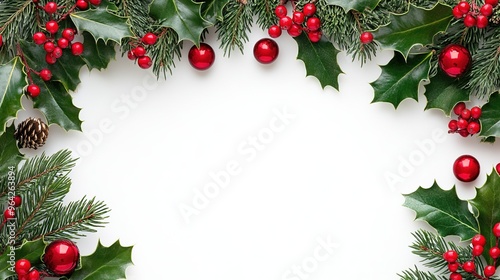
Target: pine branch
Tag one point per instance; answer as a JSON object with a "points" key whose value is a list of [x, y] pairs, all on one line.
{"points": [[415, 274], [233, 30], [264, 10]]}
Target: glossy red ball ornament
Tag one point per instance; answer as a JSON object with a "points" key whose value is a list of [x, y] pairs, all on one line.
{"points": [[61, 257], [454, 60], [266, 51], [201, 58], [466, 168]]}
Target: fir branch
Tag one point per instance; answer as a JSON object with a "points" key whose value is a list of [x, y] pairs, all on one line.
{"points": [[234, 28], [415, 274], [264, 10], [165, 51], [430, 247]]}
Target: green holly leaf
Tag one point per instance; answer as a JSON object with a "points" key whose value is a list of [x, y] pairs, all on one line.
{"points": [[487, 205], [320, 60], [417, 27], [102, 24], [212, 9], [12, 82], [490, 117], [444, 211], [9, 152], [97, 54], [444, 93], [358, 5], [106, 263], [400, 78], [31, 250], [183, 16]]}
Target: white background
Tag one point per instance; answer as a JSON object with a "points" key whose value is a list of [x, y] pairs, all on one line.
{"points": [[148, 147]]}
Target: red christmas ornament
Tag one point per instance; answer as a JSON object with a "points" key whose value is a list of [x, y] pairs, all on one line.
{"points": [[454, 60], [61, 257], [466, 168], [201, 58], [266, 50]]}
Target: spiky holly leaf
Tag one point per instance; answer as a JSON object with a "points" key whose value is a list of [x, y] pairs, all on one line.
{"points": [[9, 153], [12, 82], [102, 24], [106, 263], [400, 79], [30, 250], [97, 54], [183, 16], [487, 205], [490, 117], [320, 60], [443, 93], [358, 5], [212, 9], [417, 27], [443, 210]]}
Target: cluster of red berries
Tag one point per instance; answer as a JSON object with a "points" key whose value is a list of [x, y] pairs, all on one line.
{"points": [[467, 122], [139, 51], [24, 270], [304, 20], [10, 212], [474, 15], [478, 243]]}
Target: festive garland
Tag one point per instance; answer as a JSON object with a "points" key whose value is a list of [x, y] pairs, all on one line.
{"points": [[452, 47]]}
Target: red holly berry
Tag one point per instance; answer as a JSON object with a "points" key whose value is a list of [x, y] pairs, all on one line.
{"points": [[462, 123], [22, 266], [50, 7], [9, 213], [469, 266], [77, 48], [33, 90], [473, 128], [131, 55], [463, 132], [139, 51], [469, 20], [315, 36], [266, 51], [486, 10], [298, 17], [475, 112], [144, 62], [16, 201], [34, 275], [465, 114], [450, 256], [457, 13], [1, 40], [69, 34], [274, 31], [285, 22], [82, 4], [313, 23], [452, 125], [494, 252], [295, 30], [95, 2], [496, 230], [466, 168], [52, 26], [50, 59], [49, 46], [62, 43], [481, 21], [477, 250], [458, 108], [57, 53], [497, 168], [493, 3], [201, 58], [280, 11], [309, 9], [453, 267], [149, 38], [454, 60], [489, 270], [455, 276], [464, 6], [39, 38], [366, 37], [478, 239]]}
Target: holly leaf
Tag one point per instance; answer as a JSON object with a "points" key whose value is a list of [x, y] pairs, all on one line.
{"points": [[444, 93], [417, 27], [487, 205], [106, 263], [213, 9], [9, 153], [443, 210], [358, 5], [320, 60], [400, 78], [183, 16], [30, 250], [490, 117], [102, 24], [97, 54], [12, 82]]}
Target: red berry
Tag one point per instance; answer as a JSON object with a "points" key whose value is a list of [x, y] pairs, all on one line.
{"points": [[475, 112], [469, 21], [50, 59], [16, 201], [62, 43], [39, 38], [455, 276], [464, 7], [366, 37], [458, 108], [463, 132], [452, 125], [315, 36], [465, 114], [494, 252], [477, 250], [144, 62], [57, 53], [22, 266], [139, 51], [469, 266], [34, 275], [309, 9], [486, 10], [69, 34], [201, 58], [298, 17], [489, 270], [450, 256], [1, 40], [52, 26], [149, 38], [49, 46], [285, 22], [478, 239], [481, 21], [473, 128], [95, 2], [77, 48], [497, 168], [50, 7], [466, 168], [496, 230], [462, 123], [313, 23], [457, 13], [266, 51], [453, 267], [295, 30], [33, 90], [9, 213], [131, 55], [45, 74], [280, 11], [82, 4], [274, 31], [493, 3]]}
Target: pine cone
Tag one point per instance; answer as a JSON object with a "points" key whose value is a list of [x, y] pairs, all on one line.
{"points": [[31, 133]]}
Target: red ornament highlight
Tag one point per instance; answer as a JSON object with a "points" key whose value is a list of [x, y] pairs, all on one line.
{"points": [[466, 168]]}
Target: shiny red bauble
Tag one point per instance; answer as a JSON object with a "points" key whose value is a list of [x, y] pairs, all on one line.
{"points": [[61, 257], [454, 60], [266, 51], [201, 58], [466, 168]]}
